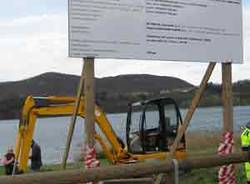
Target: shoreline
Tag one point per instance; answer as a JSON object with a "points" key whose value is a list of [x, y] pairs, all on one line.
{"points": [[117, 113]]}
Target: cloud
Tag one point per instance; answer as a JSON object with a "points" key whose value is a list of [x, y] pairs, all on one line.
{"points": [[38, 43], [242, 71], [16, 8], [33, 45]]}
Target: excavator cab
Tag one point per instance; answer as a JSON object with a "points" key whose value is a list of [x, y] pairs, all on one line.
{"points": [[152, 126]]}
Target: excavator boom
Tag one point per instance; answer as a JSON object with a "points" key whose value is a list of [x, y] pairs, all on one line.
{"points": [[112, 145], [60, 106]]}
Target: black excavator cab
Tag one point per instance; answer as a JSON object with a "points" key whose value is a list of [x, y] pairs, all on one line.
{"points": [[152, 125]]}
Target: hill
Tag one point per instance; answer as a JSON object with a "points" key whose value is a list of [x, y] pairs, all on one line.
{"points": [[113, 93]]}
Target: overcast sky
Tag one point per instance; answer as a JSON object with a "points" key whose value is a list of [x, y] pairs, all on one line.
{"points": [[33, 40]]}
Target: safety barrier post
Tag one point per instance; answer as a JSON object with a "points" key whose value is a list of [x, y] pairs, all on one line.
{"points": [[89, 146], [227, 173]]}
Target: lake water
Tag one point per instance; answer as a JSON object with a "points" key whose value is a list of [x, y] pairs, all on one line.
{"points": [[51, 133]]}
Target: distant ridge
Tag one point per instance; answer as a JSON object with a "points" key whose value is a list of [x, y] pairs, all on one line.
{"points": [[113, 93]]}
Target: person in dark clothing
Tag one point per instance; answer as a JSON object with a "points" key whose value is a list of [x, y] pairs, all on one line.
{"points": [[9, 161], [36, 156]]}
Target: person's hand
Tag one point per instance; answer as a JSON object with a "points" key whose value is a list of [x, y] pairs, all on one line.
{"points": [[11, 160]]}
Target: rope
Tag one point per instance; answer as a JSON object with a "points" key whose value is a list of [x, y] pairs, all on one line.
{"points": [[90, 160], [159, 179], [14, 168], [226, 173], [176, 171]]}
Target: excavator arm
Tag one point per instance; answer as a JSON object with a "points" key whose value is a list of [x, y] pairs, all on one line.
{"points": [[62, 106]]}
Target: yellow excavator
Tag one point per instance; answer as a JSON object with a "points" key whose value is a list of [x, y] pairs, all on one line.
{"points": [[151, 128]]}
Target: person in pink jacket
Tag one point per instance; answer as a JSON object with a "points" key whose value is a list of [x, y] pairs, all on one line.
{"points": [[9, 161]]}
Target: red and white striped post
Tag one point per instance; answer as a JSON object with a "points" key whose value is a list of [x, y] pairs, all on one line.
{"points": [[227, 173], [89, 147]]}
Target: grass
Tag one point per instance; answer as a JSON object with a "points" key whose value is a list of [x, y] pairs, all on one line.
{"points": [[210, 176], [207, 144], [201, 144], [77, 165], [1, 170], [58, 167]]}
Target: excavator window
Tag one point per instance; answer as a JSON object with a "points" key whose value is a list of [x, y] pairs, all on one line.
{"points": [[134, 122], [158, 122], [170, 115], [150, 133]]}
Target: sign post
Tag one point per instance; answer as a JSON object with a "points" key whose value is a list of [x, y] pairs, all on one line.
{"points": [[194, 104], [227, 97], [73, 120], [89, 102], [89, 111], [86, 86], [227, 172]]}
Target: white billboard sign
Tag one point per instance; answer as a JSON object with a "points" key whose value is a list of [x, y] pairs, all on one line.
{"points": [[176, 30]]}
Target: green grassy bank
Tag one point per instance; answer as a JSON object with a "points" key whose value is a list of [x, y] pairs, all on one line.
{"points": [[206, 144]]}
